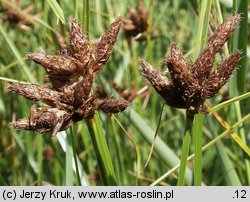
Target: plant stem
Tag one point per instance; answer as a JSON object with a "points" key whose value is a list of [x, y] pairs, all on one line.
{"points": [[101, 151], [205, 147], [160, 147], [40, 159], [68, 163], [185, 150], [73, 140], [240, 39], [86, 14], [202, 29], [198, 123], [239, 42]]}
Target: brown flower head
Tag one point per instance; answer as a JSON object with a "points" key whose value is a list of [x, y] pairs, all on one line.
{"points": [[17, 14], [71, 73], [191, 84], [137, 24]]}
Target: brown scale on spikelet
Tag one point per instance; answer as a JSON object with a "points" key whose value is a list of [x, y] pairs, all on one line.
{"points": [[111, 106], [190, 85], [79, 43], [72, 73]]}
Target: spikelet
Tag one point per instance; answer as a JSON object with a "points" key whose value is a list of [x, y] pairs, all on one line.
{"points": [[111, 106], [103, 48], [162, 85], [220, 76], [79, 43], [203, 65]]}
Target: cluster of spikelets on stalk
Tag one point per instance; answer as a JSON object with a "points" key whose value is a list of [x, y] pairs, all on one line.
{"points": [[191, 84], [137, 24], [17, 14], [71, 73]]}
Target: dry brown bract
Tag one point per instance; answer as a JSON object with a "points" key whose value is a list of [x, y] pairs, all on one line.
{"points": [[71, 73], [191, 85], [137, 24]]}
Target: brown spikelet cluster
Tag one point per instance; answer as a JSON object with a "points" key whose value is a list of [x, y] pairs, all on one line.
{"points": [[128, 94], [17, 14], [191, 84], [137, 24], [71, 73]]}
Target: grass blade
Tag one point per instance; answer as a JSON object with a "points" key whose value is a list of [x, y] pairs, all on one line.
{"points": [[204, 16], [164, 152], [57, 10], [231, 176], [185, 151], [234, 135], [205, 147], [69, 175], [73, 140], [62, 138], [18, 56], [229, 102]]}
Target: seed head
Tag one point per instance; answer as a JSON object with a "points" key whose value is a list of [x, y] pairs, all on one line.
{"points": [[71, 73], [138, 22], [191, 84]]}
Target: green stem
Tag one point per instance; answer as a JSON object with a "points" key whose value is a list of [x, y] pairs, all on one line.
{"points": [[240, 39], [68, 163], [86, 14], [240, 42], [73, 140], [220, 21], [198, 123], [101, 151], [40, 159], [205, 147], [202, 28], [76, 8], [160, 148], [243, 137], [185, 150]]}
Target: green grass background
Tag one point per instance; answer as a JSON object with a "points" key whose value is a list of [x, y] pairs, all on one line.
{"points": [[28, 158]]}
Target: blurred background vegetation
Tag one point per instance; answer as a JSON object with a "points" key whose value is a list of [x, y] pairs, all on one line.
{"points": [[28, 158]]}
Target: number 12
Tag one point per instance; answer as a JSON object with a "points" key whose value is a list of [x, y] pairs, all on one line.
{"points": [[241, 194]]}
